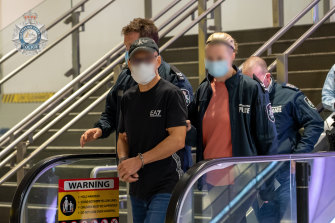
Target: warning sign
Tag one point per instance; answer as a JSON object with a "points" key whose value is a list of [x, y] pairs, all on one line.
{"points": [[92, 200]]}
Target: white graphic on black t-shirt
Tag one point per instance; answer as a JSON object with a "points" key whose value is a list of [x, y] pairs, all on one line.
{"points": [[155, 113]]}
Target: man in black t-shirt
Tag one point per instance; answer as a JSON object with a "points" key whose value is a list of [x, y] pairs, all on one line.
{"points": [[153, 116]]}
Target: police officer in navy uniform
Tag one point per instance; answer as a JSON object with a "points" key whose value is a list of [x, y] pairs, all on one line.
{"points": [[109, 119], [292, 111]]}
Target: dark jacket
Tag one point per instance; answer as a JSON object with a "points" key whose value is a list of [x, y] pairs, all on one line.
{"points": [[253, 130], [293, 111], [109, 119]]}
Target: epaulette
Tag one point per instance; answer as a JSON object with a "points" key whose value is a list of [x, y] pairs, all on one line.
{"points": [[179, 74], [290, 86]]}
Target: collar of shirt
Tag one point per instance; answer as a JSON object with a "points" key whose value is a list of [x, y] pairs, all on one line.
{"points": [[270, 85]]}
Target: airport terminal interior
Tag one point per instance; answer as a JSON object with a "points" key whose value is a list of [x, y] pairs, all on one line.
{"points": [[176, 111]]}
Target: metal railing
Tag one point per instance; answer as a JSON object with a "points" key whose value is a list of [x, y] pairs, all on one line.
{"points": [[80, 4], [73, 29], [52, 101], [100, 75], [52, 24], [282, 60], [91, 106], [68, 100], [282, 66], [98, 169], [268, 44]]}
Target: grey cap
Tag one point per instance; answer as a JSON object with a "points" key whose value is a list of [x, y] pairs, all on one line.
{"points": [[144, 43]]}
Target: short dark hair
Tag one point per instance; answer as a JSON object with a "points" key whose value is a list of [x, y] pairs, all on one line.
{"points": [[145, 27]]}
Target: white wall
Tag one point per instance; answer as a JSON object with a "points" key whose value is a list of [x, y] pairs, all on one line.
{"points": [[11, 10], [47, 73], [104, 31], [332, 4]]}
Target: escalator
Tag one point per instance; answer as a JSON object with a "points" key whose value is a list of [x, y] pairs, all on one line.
{"points": [[254, 181], [252, 188], [36, 198], [251, 182], [248, 183]]}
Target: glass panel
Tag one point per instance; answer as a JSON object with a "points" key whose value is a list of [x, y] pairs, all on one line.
{"points": [[262, 192], [321, 190], [41, 201], [249, 192], [229, 191]]}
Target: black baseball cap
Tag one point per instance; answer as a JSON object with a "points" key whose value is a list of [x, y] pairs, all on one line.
{"points": [[144, 43]]}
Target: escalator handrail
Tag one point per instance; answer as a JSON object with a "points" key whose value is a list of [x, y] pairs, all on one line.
{"points": [[36, 171], [199, 169]]}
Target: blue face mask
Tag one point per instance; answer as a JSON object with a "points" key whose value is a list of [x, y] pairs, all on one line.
{"points": [[218, 68], [126, 57]]}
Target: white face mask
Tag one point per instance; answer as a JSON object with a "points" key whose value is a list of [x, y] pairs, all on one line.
{"points": [[264, 79], [266, 88], [143, 73]]}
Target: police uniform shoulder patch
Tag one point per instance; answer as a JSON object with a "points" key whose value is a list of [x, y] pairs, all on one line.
{"points": [[269, 112], [309, 103], [180, 76], [260, 82], [291, 86], [186, 95]]}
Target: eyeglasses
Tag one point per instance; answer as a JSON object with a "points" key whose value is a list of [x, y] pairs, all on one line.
{"points": [[147, 60]]}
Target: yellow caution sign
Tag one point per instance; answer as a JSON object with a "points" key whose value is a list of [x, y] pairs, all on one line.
{"points": [[92, 200], [26, 97]]}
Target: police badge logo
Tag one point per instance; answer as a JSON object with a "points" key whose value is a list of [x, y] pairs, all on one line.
{"points": [[269, 111], [309, 103], [30, 37], [187, 96]]}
